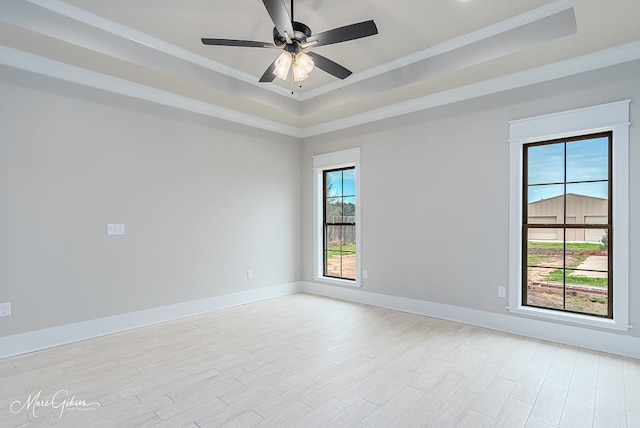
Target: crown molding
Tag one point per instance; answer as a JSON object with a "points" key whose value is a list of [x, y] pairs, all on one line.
{"points": [[119, 30], [608, 57], [504, 26], [80, 15], [48, 67]]}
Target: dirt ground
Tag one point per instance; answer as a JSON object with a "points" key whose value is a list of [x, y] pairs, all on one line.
{"points": [[548, 258], [348, 266], [581, 303], [540, 296]]}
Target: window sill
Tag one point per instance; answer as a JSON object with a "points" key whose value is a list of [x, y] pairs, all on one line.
{"points": [[569, 318], [336, 281]]}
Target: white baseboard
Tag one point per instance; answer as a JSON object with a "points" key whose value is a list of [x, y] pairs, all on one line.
{"points": [[49, 337], [589, 338], [603, 341]]}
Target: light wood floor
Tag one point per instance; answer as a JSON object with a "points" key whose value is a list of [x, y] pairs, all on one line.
{"points": [[309, 361]]}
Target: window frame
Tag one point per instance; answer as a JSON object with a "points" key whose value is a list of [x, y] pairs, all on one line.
{"points": [[326, 162], [526, 224], [614, 117], [325, 225]]}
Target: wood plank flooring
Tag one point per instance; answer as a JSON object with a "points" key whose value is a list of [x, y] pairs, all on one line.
{"points": [[310, 361]]}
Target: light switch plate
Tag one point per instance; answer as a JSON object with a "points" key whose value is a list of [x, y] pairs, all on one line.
{"points": [[115, 229]]}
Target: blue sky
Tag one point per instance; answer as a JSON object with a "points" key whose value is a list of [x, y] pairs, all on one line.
{"points": [[348, 182], [586, 160]]}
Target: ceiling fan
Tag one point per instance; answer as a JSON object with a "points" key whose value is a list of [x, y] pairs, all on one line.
{"points": [[294, 37]]}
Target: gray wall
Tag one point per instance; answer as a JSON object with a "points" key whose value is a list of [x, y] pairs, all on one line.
{"points": [[444, 173], [202, 201]]}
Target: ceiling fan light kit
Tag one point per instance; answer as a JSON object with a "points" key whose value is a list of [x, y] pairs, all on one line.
{"points": [[282, 65], [302, 66], [293, 37], [298, 73]]}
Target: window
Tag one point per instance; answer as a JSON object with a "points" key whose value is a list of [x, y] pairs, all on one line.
{"points": [[336, 217], [567, 230], [569, 216], [339, 223]]}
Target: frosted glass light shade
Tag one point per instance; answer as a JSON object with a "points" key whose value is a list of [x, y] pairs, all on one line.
{"points": [[302, 65], [305, 62], [282, 65]]}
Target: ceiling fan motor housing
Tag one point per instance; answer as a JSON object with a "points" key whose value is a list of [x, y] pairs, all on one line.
{"points": [[300, 34]]}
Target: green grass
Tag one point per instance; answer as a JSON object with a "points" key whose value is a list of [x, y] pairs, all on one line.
{"points": [[557, 276], [335, 250], [532, 260], [574, 247]]}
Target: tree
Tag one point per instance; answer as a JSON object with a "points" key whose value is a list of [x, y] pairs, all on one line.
{"points": [[604, 242]]}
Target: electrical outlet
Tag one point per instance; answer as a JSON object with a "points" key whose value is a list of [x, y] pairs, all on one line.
{"points": [[502, 291], [249, 273], [365, 274], [5, 309]]}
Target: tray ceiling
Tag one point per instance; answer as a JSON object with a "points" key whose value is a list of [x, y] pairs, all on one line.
{"points": [[426, 53]]}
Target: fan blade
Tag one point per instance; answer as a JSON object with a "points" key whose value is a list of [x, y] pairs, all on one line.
{"points": [[268, 75], [232, 42], [280, 16], [329, 66], [343, 34]]}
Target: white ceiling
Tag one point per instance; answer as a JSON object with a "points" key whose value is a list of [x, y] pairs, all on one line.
{"points": [[427, 53]]}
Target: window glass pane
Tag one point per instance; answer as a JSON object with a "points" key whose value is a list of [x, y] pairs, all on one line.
{"points": [[588, 203], [348, 238], [587, 160], [545, 252], [578, 251], [590, 240], [543, 219], [587, 279], [601, 237], [599, 189], [539, 193], [545, 287], [333, 183], [586, 291], [349, 209], [348, 261], [333, 238], [333, 212], [349, 182], [545, 164], [333, 263]]}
